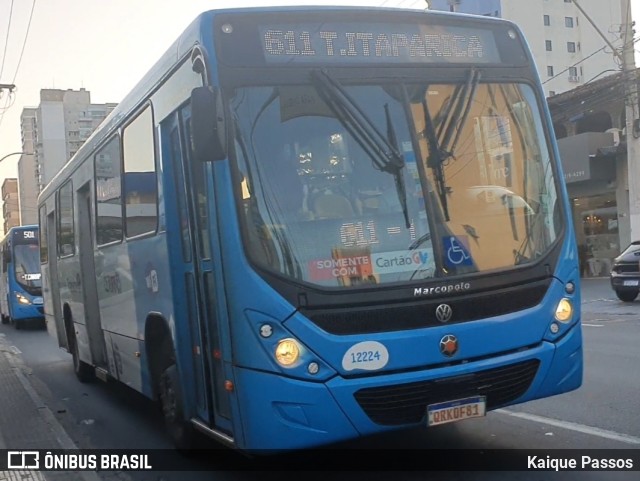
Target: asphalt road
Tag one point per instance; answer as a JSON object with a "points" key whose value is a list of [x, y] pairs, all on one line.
{"points": [[602, 414]]}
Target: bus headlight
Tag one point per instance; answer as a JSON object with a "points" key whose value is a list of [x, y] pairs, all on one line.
{"points": [[287, 352], [22, 299], [564, 311]]}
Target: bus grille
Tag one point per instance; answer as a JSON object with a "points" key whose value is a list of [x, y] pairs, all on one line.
{"points": [[626, 268], [407, 403], [420, 314]]}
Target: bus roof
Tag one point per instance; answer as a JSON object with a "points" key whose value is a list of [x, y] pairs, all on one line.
{"points": [[196, 33]]}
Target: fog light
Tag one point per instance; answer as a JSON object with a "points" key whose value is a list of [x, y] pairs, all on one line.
{"points": [[287, 352], [564, 311], [313, 368], [570, 288], [554, 328]]}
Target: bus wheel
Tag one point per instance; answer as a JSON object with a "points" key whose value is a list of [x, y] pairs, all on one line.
{"points": [[171, 400], [83, 371], [5, 319]]}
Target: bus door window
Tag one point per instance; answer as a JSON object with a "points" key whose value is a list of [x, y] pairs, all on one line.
{"points": [[197, 182]]}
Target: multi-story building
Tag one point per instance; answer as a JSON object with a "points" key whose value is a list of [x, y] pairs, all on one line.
{"points": [[28, 188], [567, 48], [10, 209], [53, 132]]}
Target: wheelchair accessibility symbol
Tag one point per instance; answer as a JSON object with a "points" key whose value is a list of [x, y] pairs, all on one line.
{"points": [[457, 249]]}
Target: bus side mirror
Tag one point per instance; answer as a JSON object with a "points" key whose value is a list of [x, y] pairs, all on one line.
{"points": [[208, 132]]}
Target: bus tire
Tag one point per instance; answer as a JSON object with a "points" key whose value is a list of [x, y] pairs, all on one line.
{"points": [[5, 319], [83, 371], [171, 400]]}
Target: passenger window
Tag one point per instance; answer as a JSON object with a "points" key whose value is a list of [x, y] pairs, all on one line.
{"points": [[66, 240], [140, 182], [44, 238], [108, 195]]}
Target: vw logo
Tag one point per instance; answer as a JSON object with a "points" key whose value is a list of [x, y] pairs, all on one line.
{"points": [[449, 345], [444, 313]]}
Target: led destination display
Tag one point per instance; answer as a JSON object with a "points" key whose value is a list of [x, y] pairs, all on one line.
{"points": [[375, 43]]}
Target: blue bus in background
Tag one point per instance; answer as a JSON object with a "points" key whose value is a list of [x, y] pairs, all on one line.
{"points": [[310, 224], [20, 279]]}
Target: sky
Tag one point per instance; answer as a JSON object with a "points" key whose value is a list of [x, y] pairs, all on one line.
{"points": [[105, 46]]}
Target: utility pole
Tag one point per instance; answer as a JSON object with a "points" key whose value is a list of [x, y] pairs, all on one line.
{"points": [[632, 125]]}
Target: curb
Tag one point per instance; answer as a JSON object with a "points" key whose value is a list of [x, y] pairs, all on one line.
{"points": [[47, 418]]}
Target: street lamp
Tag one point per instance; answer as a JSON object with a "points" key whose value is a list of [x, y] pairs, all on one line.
{"points": [[13, 153]]}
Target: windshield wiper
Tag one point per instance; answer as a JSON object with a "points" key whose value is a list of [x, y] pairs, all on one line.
{"points": [[383, 151], [454, 119]]}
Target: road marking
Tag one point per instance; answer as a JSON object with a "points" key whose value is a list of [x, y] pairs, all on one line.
{"points": [[581, 428], [15, 350], [592, 325]]}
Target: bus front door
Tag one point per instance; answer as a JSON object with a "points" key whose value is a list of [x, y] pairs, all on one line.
{"points": [[192, 192], [53, 288], [88, 275]]}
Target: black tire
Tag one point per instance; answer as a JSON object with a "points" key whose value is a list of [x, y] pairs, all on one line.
{"points": [[5, 319], [83, 371], [17, 325], [171, 400], [627, 296]]}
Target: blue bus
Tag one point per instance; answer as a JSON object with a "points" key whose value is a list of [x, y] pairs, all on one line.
{"points": [[20, 278], [310, 224]]}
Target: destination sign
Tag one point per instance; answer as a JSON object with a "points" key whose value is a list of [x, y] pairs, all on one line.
{"points": [[377, 43], [25, 237]]}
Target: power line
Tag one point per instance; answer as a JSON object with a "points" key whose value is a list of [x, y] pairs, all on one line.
{"points": [[6, 40], [24, 43], [577, 63]]}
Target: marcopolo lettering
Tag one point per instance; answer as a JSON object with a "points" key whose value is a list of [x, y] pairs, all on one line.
{"points": [[445, 289]]}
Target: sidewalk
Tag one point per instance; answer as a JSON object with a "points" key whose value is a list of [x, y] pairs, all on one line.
{"points": [[27, 423]]}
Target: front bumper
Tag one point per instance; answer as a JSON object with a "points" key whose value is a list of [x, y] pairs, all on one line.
{"points": [[283, 413]]}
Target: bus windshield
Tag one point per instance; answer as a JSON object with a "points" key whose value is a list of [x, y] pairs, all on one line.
{"points": [[346, 184], [27, 265]]}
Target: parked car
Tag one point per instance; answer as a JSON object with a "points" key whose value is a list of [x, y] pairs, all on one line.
{"points": [[625, 273]]}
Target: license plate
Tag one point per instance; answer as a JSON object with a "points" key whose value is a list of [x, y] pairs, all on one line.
{"points": [[451, 411], [37, 301], [630, 283]]}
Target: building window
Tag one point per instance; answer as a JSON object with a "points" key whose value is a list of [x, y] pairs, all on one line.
{"points": [[568, 22], [139, 182], [552, 93], [573, 71], [571, 47], [547, 20], [108, 196], [547, 44], [550, 70], [66, 240]]}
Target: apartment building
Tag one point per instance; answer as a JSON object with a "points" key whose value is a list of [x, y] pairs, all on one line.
{"points": [[567, 48], [51, 134], [10, 210]]}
